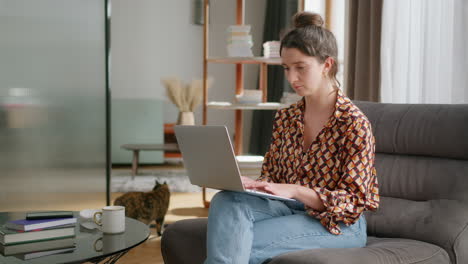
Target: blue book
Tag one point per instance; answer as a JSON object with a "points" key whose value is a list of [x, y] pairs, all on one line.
{"points": [[29, 225]]}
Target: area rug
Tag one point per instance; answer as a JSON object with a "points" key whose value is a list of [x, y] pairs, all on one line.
{"points": [[177, 180]]}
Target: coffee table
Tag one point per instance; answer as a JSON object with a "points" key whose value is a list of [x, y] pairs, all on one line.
{"points": [[91, 245]]}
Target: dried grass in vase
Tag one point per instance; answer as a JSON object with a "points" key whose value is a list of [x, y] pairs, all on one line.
{"points": [[185, 97]]}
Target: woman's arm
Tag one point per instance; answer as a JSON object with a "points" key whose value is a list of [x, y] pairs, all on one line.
{"points": [[357, 189]]}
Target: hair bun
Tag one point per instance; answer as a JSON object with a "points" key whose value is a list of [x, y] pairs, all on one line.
{"points": [[304, 19]]}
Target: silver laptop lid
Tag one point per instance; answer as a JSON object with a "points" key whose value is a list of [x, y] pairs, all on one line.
{"points": [[209, 157]]}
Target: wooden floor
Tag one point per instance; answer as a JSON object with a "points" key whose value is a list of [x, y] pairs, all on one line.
{"points": [[181, 206]]}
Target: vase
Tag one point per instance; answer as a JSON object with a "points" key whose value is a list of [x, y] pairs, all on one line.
{"points": [[186, 119]]}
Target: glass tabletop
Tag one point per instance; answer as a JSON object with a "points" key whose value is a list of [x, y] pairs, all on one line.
{"points": [[90, 245]]}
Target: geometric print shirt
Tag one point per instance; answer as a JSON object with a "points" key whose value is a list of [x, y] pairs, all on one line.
{"points": [[338, 166]]}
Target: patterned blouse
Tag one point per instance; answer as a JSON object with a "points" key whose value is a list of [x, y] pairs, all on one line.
{"points": [[339, 165]]}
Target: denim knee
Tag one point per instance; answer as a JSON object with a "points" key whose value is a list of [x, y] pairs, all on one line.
{"points": [[223, 197], [223, 200], [231, 197]]}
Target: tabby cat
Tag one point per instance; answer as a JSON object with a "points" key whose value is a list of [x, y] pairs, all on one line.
{"points": [[147, 206]]}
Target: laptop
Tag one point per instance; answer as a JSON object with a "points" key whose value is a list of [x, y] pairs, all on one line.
{"points": [[210, 161]]}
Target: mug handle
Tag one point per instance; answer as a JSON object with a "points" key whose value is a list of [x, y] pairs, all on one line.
{"points": [[95, 243], [98, 222]]}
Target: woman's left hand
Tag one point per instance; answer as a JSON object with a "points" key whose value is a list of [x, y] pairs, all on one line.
{"points": [[280, 189]]}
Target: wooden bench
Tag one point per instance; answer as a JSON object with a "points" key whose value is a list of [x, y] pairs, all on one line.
{"points": [[136, 148]]}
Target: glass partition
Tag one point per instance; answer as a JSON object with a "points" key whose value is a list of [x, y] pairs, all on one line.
{"points": [[52, 100]]}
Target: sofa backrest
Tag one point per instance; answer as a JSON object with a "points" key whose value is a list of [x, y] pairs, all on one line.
{"points": [[422, 169]]}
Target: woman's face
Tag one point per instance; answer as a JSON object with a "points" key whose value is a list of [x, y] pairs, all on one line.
{"points": [[304, 73]]}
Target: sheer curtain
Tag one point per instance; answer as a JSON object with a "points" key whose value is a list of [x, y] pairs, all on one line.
{"points": [[424, 56]]}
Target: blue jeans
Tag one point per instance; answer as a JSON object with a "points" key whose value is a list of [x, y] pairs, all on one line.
{"points": [[244, 228]]}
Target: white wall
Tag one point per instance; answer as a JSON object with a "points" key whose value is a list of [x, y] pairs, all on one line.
{"points": [[156, 39], [151, 40]]}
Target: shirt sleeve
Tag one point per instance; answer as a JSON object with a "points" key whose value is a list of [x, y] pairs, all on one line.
{"points": [[357, 187], [270, 161]]}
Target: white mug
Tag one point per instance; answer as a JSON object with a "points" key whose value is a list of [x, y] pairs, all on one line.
{"points": [[112, 219]]}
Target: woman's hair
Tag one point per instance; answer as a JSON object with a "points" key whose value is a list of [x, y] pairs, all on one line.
{"points": [[311, 37]]}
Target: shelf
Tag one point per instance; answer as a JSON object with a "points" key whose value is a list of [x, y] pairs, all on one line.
{"points": [[245, 60], [259, 106]]}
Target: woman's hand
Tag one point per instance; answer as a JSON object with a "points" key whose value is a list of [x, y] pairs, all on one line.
{"points": [[303, 194], [246, 181], [284, 190]]}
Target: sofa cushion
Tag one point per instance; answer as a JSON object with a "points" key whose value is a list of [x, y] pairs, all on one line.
{"points": [[440, 222], [420, 178], [184, 242], [436, 130], [377, 251]]}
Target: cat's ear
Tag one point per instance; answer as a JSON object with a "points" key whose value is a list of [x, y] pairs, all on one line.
{"points": [[164, 183]]}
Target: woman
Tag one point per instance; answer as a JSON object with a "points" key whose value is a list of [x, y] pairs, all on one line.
{"points": [[321, 155]]}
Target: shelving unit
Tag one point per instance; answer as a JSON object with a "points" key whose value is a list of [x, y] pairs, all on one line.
{"points": [[245, 60], [239, 62], [231, 106]]}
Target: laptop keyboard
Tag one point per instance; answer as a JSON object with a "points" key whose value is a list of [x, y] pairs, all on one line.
{"points": [[255, 191], [269, 195]]}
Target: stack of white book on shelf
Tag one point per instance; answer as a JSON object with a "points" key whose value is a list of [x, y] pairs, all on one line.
{"points": [[249, 165], [271, 49], [249, 97], [239, 41]]}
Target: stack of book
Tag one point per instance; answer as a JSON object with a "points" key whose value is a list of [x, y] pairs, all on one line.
{"points": [[27, 239], [239, 41], [250, 166], [271, 49], [249, 97]]}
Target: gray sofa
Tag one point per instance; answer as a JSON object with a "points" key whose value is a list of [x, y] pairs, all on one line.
{"points": [[422, 167]]}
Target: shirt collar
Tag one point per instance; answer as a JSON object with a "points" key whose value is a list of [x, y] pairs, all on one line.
{"points": [[342, 107]]}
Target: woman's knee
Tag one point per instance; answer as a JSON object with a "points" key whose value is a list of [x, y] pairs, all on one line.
{"points": [[225, 197], [233, 198], [227, 203]]}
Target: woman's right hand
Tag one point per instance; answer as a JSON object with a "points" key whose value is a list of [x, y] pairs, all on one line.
{"points": [[246, 181]]}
